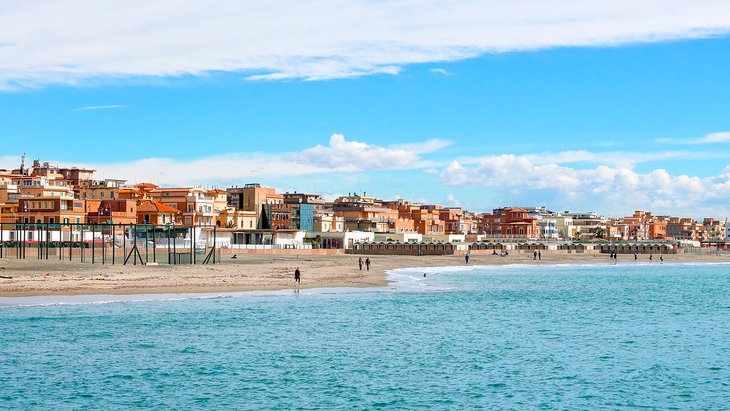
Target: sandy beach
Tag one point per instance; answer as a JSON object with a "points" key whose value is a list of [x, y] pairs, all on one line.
{"points": [[253, 272]]}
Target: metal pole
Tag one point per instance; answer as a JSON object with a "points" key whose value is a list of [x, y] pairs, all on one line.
{"points": [[214, 244], [114, 240], [192, 246], [48, 241], [93, 243], [135, 244], [174, 245], [83, 243], [103, 246], [195, 258], [168, 245], [146, 244], [154, 245], [70, 242]]}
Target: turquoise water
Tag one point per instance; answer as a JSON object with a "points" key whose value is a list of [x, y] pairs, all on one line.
{"points": [[607, 337]]}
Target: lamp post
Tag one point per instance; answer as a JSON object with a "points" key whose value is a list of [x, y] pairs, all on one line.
{"points": [[102, 211]]}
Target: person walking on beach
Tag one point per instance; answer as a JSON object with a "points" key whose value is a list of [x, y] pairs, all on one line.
{"points": [[661, 258], [297, 276], [466, 258], [651, 257], [539, 255], [534, 255], [367, 263], [359, 263]]}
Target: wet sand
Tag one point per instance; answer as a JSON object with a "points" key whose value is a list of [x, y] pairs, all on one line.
{"points": [[255, 272]]}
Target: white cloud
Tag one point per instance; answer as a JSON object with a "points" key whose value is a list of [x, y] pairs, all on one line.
{"points": [[48, 41], [611, 189], [339, 156], [345, 155], [721, 137], [441, 71], [108, 107], [711, 138]]}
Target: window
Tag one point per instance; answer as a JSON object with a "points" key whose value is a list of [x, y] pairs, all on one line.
{"points": [[146, 218], [65, 220], [51, 220], [111, 194], [101, 195]]}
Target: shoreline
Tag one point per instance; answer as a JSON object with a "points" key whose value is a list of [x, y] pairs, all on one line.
{"points": [[266, 273]]}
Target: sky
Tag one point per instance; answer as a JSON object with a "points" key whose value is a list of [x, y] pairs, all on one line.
{"points": [[574, 105]]}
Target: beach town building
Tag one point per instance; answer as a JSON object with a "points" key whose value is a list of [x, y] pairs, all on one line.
{"points": [[510, 222], [42, 186], [196, 205], [303, 208], [643, 226], [325, 221], [107, 189], [137, 192], [588, 225], [157, 213], [713, 230], [363, 213], [50, 210], [114, 211], [253, 197], [679, 228], [231, 217], [220, 199]]}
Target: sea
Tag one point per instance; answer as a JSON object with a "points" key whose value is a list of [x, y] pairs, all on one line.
{"points": [[623, 336]]}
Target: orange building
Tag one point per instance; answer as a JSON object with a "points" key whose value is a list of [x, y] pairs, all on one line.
{"points": [[111, 212], [156, 213], [510, 222], [363, 213], [51, 210], [195, 204]]}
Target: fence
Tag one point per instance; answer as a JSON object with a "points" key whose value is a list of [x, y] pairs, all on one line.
{"points": [[110, 243]]}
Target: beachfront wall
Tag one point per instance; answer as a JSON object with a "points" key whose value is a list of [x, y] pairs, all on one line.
{"points": [[396, 248]]}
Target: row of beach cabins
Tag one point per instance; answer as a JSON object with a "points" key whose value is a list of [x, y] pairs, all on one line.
{"points": [[443, 248]]}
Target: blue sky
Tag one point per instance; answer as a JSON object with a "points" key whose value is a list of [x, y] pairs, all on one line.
{"points": [[604, 121]]}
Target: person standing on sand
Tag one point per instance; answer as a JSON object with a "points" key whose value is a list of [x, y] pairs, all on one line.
{"points": [[534, 255], [466, 258], [539, 255], [359, 263], [297, 276], [367, 263]]}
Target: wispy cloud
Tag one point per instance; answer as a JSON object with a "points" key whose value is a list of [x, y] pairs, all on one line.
{"points": [[108, 107], [441, 71], [315, 40], [711, 138]]}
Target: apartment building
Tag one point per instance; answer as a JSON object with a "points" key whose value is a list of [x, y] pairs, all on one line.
{"points": [[196, 205], [50, 210], [156, 213], [510, 222], [107, 189], [111, 211], [363, 213]]}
